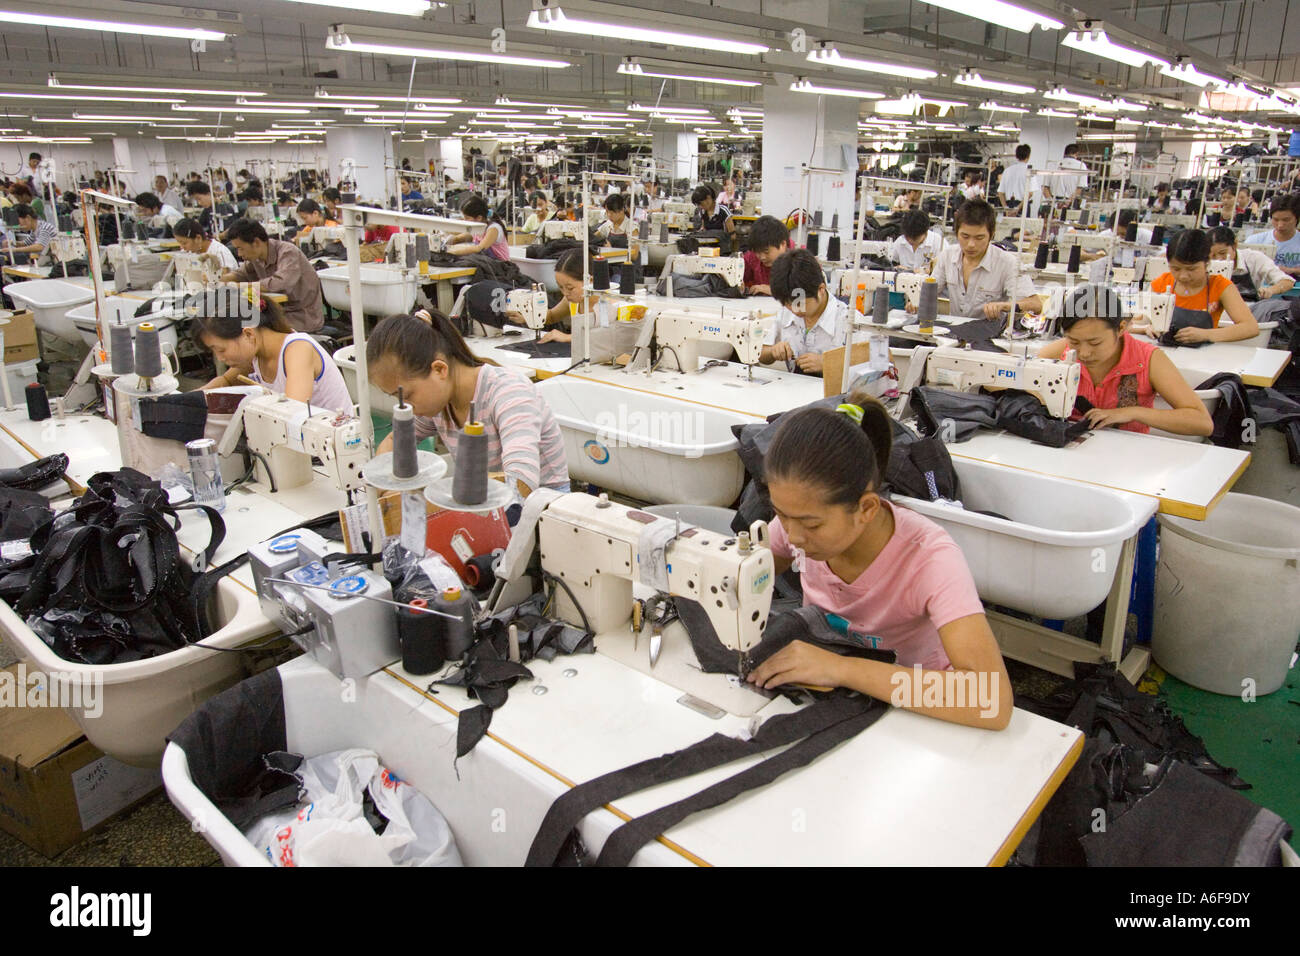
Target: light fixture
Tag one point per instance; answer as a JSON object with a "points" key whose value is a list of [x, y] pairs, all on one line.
{"points": [[1052, 112], [969, 78], [1188, 73], [1094, 40], [236, 108], [632, 68], [398, 8], [804, 86], [1107, 106], [1001, 14], [97, 122], [185, 91], [421, 115], [829, 56], [638, 108], [109, 26], [546, 15], [45, 139], [999, 108], [324, 94], [77, 98], [906, 105], [313, 104], [119, 117], [357, 40]]}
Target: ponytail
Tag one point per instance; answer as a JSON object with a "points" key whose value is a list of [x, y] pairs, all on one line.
{"points": [[215, 314], [417, 343], [843, 451]]}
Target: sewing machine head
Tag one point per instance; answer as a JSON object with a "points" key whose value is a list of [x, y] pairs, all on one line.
{"points": [[559, 229], [680, 331], [676, 221], [320, 235], [731, 268], [909, 283], [1054, 383], [529, 303], [196, 270], [65, 248], [288, 434], [869, 279], [1219, 267], [1156, 308], [599, 549], [683, 208]]}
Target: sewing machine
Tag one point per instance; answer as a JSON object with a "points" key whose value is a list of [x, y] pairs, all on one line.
{"points": [[1054, 383], [682, 208], [869, 279], [1156, 308], [675, 221], [134, 265], [196, 270], [65, 248], [597, 548], [409, 249], [731, 268], [1219, 267], [909, 283], [530, 304], [284, 435], [318, 236], [680, 332], [559, 229]]}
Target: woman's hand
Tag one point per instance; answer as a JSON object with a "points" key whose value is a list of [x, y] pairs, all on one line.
{"points": [[798, 663], [1106, 417], [1190, 336], [760, 290], [555, 335]]}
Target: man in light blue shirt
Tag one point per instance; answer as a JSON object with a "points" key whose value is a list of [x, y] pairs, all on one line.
{"points": [[1284, 214]]}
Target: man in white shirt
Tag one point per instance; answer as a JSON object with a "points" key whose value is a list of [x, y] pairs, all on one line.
{"points": [[1256, 276], [155, 212], [168, 193], [979, 279], [918, 246], [1066, 189], [811, 321], [974, 186], [1013, 187], [1284, 214]]}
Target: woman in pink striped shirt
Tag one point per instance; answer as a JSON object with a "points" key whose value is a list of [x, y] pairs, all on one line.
{"points": [[426, 357]]}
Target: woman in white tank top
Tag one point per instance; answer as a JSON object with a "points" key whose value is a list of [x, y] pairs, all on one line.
{"points": [[271, 354]]}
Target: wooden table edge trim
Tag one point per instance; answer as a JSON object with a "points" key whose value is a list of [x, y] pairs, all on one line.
{"points": [[1035, 809]]}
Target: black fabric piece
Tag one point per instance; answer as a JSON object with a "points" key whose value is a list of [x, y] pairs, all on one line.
{"points": [[979, 334], [1184, 318], [488, 267], [1232, 411], [1023, 414], [540, 350], [954, 416], [922, 468], [22, 513], [471, 728], [481, 302], [181, 417], [235, 747], [698, 287], [553, 249], [36, 474], [568, 810]]}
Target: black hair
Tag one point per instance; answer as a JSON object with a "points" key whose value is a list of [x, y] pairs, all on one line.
{"points": [[476, 206], [615, 203], [1022, 152], [251, 193], [245, 230], [283, 198], [826, 448], [915, 224], [1070, 150], [417, 344], [1126, 216], [35, 156], [976, 212], [1092, 301], [148, 201], [796, 271], [768, 232], [198, 188], [702, 192], [188, 229], [214, 312], [1190, 245], [1257, 195], [24, 211], [1288, 202], [332, 194], [532, 199], [1162, 187], [570, 264], [20, 188], [1223, 236], [309, 205]]}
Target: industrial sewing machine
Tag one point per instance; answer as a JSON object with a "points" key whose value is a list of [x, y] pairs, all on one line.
{"points": [[409, 249], [731, 268], [909, 283], [559, 229], [675, 221], [284, 435], [65, 248], [318, 236], [1054, 383], [1156, 308], [196, 270], [682, 208], [1219, 267], [599, 548], [868, 279], [134, 265], [530, 304], [680, 333]]}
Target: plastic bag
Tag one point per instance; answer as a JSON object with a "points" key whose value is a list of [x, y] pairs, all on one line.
{"points": [[413, 576], [333, 829]]}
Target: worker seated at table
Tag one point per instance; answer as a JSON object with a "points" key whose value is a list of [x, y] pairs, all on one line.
{"points": [[1121, 375], [426, 357], [713, 217], [155, 214], [189, 235], [251, 198], [768, 238], [896, 578], [280, 267], [542, 212], [617, 222], [979, 279], [200, 194], [330, 200], [169, 194], [906, 200], [21, 194], [1125, 218], [311, 215], [1200, 299], [33, 237], [919, 245], [568, 276], [1284, 216], [409, 192], [1256, 276], [491, 241], [270, 353], [811, 320]]}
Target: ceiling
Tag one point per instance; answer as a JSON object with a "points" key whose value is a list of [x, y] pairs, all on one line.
{"points": [[279, 48]]}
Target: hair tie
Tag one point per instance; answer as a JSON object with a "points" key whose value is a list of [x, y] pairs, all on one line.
{"points": [[851, 411]]}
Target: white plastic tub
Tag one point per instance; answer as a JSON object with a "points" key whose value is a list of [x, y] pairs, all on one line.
{"points": [[143, 701], [50, 300], [418, 746], [1228, 595], [649, 447], [381, 405], [1057, 555], [119, 309], [384, 291], [539, 270]]}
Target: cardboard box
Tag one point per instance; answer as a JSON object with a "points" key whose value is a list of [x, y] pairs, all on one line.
{"points": [[55, 786], [20, 339]]}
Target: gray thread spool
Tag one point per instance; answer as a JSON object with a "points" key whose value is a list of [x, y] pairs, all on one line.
{"points": [[148, 352], [469, 483], [880, 305], [928, 306], [119, 349], [405, 460], [458, 634]]}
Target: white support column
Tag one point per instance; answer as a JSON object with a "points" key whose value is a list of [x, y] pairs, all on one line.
{"points": [[802, 129], [678, 152], [371, 150]]}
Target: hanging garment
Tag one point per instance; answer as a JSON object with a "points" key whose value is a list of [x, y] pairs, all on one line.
{"points": [[1232, 411]]}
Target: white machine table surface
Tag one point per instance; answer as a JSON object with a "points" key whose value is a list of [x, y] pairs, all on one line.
{"points": [[726, 386], [489, 347]]}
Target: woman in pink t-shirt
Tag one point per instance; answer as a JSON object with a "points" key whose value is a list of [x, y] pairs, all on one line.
{"points": [[895, 577]]}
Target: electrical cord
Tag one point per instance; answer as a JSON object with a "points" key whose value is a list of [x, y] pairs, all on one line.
{"points": [[552, 579]]}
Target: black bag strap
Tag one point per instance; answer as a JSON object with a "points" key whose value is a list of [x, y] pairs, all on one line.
{"points": [[717, 750]]}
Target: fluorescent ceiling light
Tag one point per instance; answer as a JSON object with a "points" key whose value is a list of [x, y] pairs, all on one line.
{"points": [[120, 116], [1052, 112], [999, 108], [1109, 106], [304, 142], [338, 39], [324, 94], [187, 91], [829, 56], [236, 108], [84, 99], [551, 17], [421, 115], [633, 68], [109, 26], [315, 104], [45, 139], [974, 79], [804, 86], [399, 8], [1188, 73], [999, 13], [1096, 42], [638, 108]]}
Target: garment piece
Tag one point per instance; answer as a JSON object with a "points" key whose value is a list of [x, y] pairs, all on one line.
{"points": [[1126, 385], [524, 438], [979, 334], [698, 287], [286, 270], [329, 390], [181, 417], [1232, 411], [539, 350], [35, 474], [954, 416], [996, 279]]}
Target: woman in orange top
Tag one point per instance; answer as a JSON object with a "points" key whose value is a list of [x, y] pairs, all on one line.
{"points": [[1200, 300]]}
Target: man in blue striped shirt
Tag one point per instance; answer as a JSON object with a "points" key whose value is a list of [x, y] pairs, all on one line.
{"points": [[34, 235]]}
